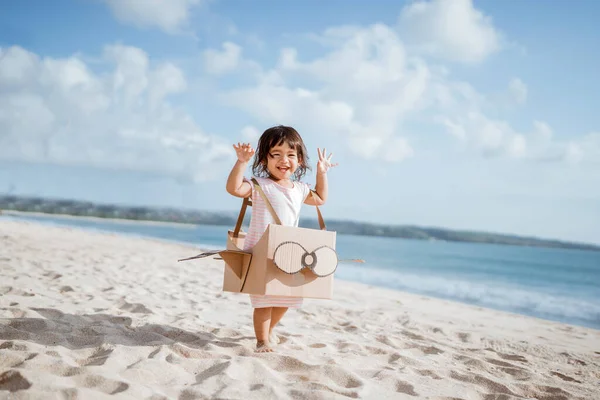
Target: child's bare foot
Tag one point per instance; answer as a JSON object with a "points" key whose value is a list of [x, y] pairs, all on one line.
{"points": [[263, 347], [273, 338]]}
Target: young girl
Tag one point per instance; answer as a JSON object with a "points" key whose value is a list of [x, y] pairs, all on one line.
{"points": [[281, 161]]}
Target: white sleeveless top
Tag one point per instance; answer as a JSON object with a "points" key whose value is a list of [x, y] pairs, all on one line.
{"points": [[286, 202]]}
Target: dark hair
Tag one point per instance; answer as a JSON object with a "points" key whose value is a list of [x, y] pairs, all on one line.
{"points": [[276, 136]]}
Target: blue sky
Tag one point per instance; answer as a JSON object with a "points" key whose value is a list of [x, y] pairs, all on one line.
{"points": [[467, 115]]}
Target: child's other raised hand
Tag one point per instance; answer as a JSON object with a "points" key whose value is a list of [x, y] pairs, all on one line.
{"points": [[243, 151], [324, 162]]}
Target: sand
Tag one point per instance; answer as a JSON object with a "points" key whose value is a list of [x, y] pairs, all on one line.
{"points": [[91, 315]]}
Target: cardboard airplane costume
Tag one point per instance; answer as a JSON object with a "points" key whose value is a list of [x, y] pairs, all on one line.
{"points": [[286, 261]]}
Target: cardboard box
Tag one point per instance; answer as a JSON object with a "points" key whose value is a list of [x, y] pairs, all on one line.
{"points": [[286, 261]]}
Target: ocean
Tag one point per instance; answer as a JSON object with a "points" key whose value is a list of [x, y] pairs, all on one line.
{"points": [[554, 284]]}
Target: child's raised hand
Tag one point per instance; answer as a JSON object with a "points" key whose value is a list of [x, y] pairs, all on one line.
{"points": [[324, 162], [243, 151]]}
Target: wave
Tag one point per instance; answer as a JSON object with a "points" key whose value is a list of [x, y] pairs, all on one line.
{"points": [[511, 298]]}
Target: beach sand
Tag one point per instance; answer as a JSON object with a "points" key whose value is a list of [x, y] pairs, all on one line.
{"points": [[86, 315]]}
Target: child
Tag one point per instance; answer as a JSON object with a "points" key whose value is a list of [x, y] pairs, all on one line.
{"points": [[281, 161]]}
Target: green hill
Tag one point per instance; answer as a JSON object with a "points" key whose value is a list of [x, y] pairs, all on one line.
{"points": [[88, 209]]}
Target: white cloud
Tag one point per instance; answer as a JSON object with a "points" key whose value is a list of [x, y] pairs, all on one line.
{"points": [[59, 111], [449, 29], [518, 90], [397, 150], [250, 133], [366, 85], [491, 137], [367, 88], [585, 149], [168, 15], [220, 62], [496, 138]]}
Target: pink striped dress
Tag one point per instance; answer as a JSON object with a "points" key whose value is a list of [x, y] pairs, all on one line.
{"points": [[287, 203]]}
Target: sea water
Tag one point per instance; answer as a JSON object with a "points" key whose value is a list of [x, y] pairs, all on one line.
{"points": [[556, 284]]}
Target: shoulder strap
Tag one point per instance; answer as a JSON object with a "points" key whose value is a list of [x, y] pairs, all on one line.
{"points": [[320, 217], [267, 202], [274, 214], [238, 225]]}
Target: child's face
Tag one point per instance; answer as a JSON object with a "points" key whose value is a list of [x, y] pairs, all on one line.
{"points": [[282, 161]]}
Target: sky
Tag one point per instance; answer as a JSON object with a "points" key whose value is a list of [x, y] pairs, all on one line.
{"points": [[475, 115]]}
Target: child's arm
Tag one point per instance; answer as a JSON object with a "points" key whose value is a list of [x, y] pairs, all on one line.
{"points": [[235, 182], [321, 186]]}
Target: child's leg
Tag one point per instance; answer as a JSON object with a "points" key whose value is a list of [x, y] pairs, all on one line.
{"points": [[262, 326], [276, 316]]}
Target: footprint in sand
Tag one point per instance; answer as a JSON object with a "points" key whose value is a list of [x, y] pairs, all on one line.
{"points": [[429, 373], [412, 335], [342, 377], [430, 350], [13, 381], [60, 368], [52, 275], [470, 362], [500, 363], [376, 350], [518, 374], [101, 384], [393, 358], [15, 359], [515, 371], [572, 360], [545, 392], [464, 337], [403, 360], [15, 292], [29, 325], [98, 356], [388, 341], [389, 378], [10, 345], [173, 359], [49, 313], [407, 388], [450, 398], [66, 289], [565, 377], [215, 370], [512, 357], [135, 308], [491, 386]]}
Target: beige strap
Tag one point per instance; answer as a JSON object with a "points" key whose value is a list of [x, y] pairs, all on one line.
{"points": [[274, 214], [321, 220], [267, 202], [238, 225]]}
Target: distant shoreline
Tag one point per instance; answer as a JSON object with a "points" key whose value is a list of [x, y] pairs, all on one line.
{"points": [[164, 216], [98, 219]]}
